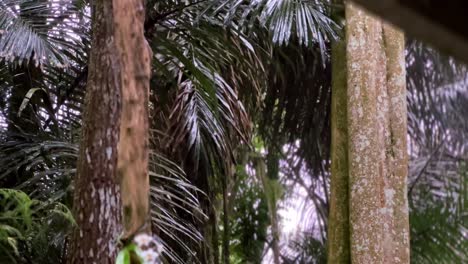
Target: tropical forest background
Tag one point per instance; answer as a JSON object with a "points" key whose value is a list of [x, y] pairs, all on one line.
{"points": [[240, 103]]}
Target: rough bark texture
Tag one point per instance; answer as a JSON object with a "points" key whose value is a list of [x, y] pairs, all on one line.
{"points": [[338, 225], [135, 57], [397, 239], [96, 202], [377, 140], [364, 64]]}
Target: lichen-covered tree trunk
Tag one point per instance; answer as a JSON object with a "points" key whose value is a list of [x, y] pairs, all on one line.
{"points": [[377, 140], [396, 154], [369, 211], [365, 86], [135, 60], [338, 219], [96, 201]]}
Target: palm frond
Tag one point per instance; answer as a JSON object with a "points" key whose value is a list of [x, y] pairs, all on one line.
{"points": [[36, 230], [45, 168], [308, 22], [437, 236], [42, 31], [437, 102]]}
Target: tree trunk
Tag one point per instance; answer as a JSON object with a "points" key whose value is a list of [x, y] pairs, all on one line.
{"points": [[338, 221], [378, 160], [268, 172], [135, 59], [97, 197], [396, 200], [226, 227], [369, 211]]}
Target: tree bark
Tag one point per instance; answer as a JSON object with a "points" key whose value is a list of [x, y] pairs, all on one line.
{"points": [[365, 65], [135, 58], [338, 221], [96, 202], [226, 226], [268, 172], [396, 200], [377, 152]]}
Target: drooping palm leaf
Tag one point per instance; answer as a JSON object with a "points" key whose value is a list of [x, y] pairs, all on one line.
{"points": [[42, 31]]}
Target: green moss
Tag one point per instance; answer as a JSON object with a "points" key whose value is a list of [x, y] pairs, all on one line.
{"points": [[338, 227]]}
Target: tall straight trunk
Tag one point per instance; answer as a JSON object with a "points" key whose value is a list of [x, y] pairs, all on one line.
{"points": [[396, 154], [96, 203], [338, 219], [226, 227], [377, 152], [272, 162], [275, 233], [135, 59], [369, 207], [366, 69]]}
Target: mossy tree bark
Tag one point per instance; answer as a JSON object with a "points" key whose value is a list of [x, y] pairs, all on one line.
{"points": [[377, 161], [338, 219]]}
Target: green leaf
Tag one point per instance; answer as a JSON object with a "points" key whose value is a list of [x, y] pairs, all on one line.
{"points": [[123, 257]]}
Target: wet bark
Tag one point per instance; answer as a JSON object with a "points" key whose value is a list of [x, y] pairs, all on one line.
{"points": [[377, 140], [338, 221], [135, 59], [97, 206]]}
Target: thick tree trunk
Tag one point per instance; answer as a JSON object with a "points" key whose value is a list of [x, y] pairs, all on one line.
{"points": [[96, 202], [369, 211], [377, 140], [338, 221], [135, 58]]}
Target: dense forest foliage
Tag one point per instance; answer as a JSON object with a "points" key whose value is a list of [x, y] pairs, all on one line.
{"points": [[240, 132]]}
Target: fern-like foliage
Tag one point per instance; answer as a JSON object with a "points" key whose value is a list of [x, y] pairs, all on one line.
{"points": [[32, 231]]}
